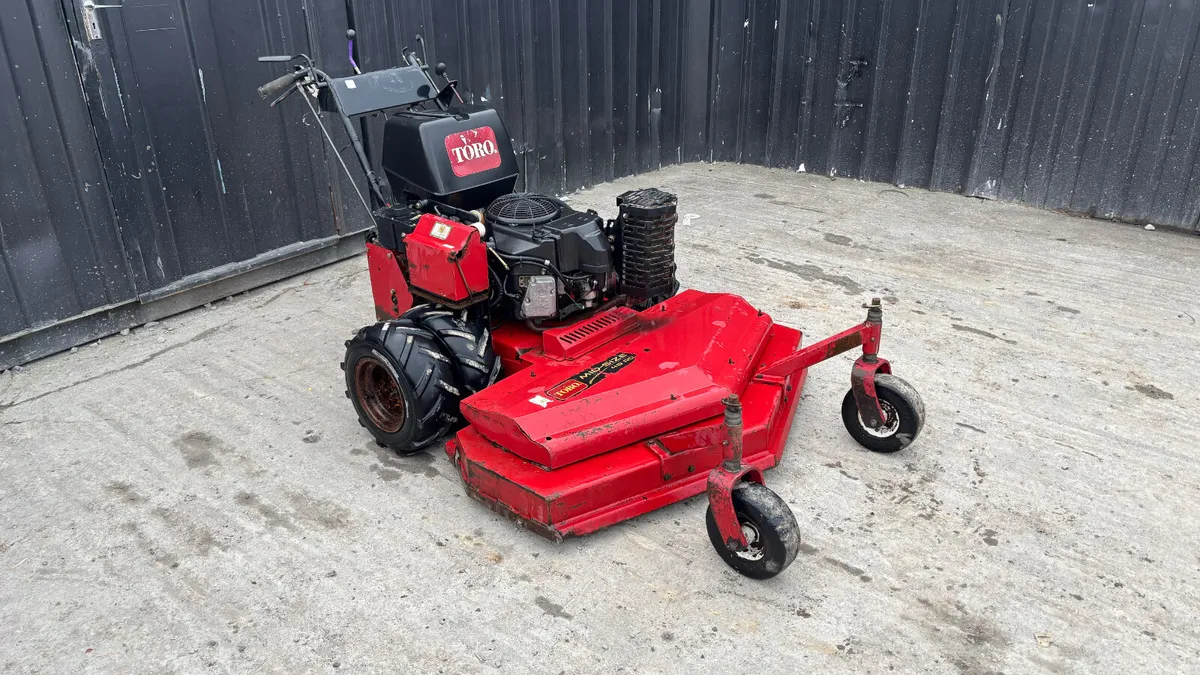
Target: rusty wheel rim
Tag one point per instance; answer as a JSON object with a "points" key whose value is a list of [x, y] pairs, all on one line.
{"points": [[379, 394]]}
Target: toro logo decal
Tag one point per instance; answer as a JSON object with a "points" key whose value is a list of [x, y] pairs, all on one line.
{"points": [[472, 151], [581, 381]]}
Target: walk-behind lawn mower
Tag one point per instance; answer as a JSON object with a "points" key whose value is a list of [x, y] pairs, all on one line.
{"points": [[577, 387]]}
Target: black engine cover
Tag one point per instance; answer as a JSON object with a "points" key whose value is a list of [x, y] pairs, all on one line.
{"points": [[573, 241], [557, 261]]}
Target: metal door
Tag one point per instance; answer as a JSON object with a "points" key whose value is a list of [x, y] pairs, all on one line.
{"points": [[60, 253], [204, 175]]}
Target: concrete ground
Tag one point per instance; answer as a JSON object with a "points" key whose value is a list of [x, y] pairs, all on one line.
{"points": [[198, 496]]}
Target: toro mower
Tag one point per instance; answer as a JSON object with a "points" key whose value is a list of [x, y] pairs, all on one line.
{"points": [[551, 352]]}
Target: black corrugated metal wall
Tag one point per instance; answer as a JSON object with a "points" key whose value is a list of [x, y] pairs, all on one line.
{"points": [[165, 171], [1091, 106]]}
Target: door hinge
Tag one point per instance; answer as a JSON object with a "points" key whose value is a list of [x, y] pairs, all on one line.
{"points": [[91, 24]]}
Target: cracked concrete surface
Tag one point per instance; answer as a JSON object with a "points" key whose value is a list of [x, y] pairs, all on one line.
{"points": [[197, 496]]}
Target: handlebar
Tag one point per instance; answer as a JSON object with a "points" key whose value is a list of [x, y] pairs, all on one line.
{"points": [[279, 85]]}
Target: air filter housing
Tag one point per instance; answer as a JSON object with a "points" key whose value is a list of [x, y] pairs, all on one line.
{"points": [[644, 239]]}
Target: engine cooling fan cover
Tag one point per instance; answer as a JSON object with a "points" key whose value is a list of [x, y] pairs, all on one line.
{"points": [[523, 208]]}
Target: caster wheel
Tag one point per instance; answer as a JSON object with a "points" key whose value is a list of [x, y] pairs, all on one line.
{"points": [[769, 527], [401, 385], [904, 415]]}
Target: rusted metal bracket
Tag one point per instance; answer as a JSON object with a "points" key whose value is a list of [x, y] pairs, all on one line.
{"points": [[862, 378], [727, 474]]}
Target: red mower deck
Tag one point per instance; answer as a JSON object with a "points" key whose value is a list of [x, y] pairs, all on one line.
{"points": [[569, 446]]}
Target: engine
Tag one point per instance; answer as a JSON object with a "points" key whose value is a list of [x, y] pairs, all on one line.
{"points": [[553, 260], [464, 237]]}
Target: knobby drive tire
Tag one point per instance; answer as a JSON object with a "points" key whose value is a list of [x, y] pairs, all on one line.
{"points": [[402, 385], [466, 338]]}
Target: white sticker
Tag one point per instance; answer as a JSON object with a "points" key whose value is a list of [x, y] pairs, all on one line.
{"points": [[350, 84], [540, 400], [439, 230]]}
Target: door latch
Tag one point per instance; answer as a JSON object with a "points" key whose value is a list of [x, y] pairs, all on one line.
{"points": [[857, 67], [845, 108], [91, 25]]}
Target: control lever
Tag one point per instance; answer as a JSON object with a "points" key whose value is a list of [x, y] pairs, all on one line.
{"points": [[440, 71], [350, 35]]}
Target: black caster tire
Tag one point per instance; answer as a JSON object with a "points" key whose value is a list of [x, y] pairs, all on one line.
{"points": [[770, 527], [466, 339], [904, 416], [402, 385]]}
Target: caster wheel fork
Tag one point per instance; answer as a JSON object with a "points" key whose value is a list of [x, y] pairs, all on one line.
{"points": [[751, 527], [903, 414], [881, 411], [765, 523]]}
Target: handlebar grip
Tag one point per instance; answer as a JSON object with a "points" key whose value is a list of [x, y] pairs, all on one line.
{"points": [[277, 86]]}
